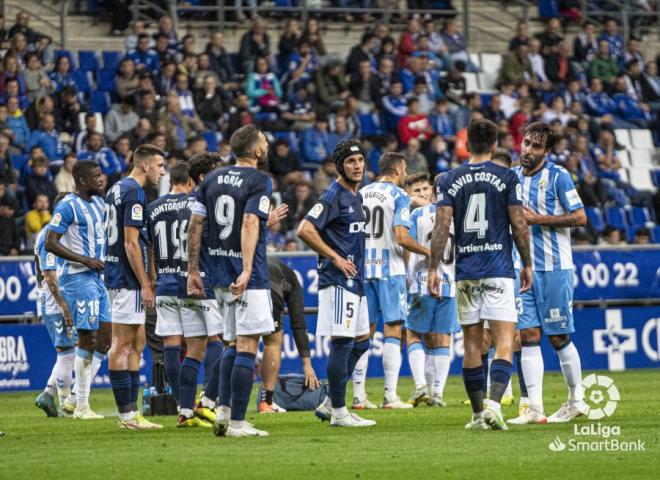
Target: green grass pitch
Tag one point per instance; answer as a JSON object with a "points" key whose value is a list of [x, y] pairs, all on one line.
{"points": [[425, 443]]}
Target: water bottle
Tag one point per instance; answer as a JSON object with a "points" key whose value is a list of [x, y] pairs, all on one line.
{"points": [[146, 406], [168, 389]]}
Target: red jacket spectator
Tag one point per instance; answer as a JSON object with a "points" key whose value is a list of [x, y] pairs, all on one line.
{"points": [[407, 42], [519, 121], [415, 124]]}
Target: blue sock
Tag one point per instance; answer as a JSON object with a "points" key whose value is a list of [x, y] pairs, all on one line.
{"points": [[172, 356], [242, 378], [521, 378], [358, 350], [211, 390], [338, 360], [135, 388], [473, 378], [213, 354], [484, 365], [188, 382], [500, 374], [121, 388], [226, 367]]}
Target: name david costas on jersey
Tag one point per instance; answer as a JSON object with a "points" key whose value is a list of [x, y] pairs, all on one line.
{"points": [[488, 177]]}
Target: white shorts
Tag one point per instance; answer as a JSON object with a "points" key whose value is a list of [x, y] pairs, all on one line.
{"points": [[126, 306], [201, 318], [342, 313], [486, 299], [250, 314]]}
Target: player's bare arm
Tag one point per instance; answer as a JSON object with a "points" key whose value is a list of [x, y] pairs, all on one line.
{"points": [[443, 218], [50, 277], [520, 233], [151, 263], [195, 283], [308, 233], [577, 218], [403, 238], [134, 256], [54, 246], [249, 239]]}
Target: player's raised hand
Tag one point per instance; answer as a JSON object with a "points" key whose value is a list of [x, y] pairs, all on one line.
{"points": [[346, 267], [525, 279], [148, 298], [195, 285], [434, 283], [240, 284], [94, 264], [277, 214]]}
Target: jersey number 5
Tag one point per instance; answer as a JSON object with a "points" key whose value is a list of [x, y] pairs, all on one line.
{"points": [[475, 218]]}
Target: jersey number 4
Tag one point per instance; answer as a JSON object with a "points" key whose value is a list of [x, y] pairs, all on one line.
{"points": [[475, 218]]}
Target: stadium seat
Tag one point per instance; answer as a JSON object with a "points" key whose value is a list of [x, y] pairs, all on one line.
{"points": [[474, 58], [471, 84], [106, 81], [88, 60], [655, 175], [100, 102], [623, 173], [487, 81], [616, 217], [67, 54], [291, 137], [548, 8], [111, 59], [83, 80], [624, 157], [641, 138], [491, 62], [211, 141], [370, 124], [639, 216], [595, 217], [641, 158], [655, 234], [640, 178], [623, 137], [19, 160]]}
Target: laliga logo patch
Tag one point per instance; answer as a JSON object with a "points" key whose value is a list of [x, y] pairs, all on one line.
{"points": [[50, 260], [136, 212], [519, 192], [316, 210], [57, 218], [264, 204], [405, 214], [603, 397]]}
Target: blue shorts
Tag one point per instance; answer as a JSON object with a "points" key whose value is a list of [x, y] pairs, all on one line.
{"points": [[387, 297], [549, 303], [87, 299], [57, 331], [432, 315]]}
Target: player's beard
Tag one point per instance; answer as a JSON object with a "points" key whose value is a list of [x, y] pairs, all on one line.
{"points": [[530, 162], [262, 161]]}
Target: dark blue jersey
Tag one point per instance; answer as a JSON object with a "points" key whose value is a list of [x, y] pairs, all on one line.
{"points": [[479, 195], [224, 197], [339, 218], [204, 260], [167, 235], [126, 208]]}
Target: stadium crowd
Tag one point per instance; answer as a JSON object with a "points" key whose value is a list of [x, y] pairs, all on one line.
{"points": [[402, 93]]}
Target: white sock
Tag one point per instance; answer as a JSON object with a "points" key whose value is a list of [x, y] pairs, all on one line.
{"points": [[51, 384], [571, 367], [339, 412], [127, 416], [441, 361], [429, 370], [187, 412], [360, 377], [237, 424], [509, 389], [391, 366], [490, 362], [225, 412], [495, 406], [207, 402], [417, 361], [523, 401], [64, 373], [327, 403], [97, 360], [83, 368], [532, 367]]}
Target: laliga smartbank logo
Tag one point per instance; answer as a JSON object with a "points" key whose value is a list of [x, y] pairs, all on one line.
{"points": [[602, 398]]}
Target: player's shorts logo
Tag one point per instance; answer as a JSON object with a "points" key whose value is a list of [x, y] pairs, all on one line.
{"points": [[601, 396]]}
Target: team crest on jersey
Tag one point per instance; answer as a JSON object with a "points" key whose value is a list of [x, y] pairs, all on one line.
{"points": [[264, 204], [57, 218], [100, 232], [405, 214], [50, 260], [519, 193], [316, 210], [136, 212]]}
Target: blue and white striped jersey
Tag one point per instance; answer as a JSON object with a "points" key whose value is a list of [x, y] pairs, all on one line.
{"points": [[385, 207], [82, 225], [46, 304], [550, 191], [422, 220]]}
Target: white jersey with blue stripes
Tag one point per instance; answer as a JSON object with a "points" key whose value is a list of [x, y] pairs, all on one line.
{"points": [[82, 225], [385, 207], [46, 304], [550, 191], [422, 220]]}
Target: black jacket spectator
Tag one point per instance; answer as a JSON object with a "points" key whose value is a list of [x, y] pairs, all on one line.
{"points": [[255, 43], [220, 63], [281, 160], [10, 236], [209, 108]]}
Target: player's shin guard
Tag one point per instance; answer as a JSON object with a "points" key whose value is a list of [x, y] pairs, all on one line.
{"points": [[338, 359], [521, 376], [188, 385], [532, 368], [429, 367], [213, 354], [121, 389], [360, 376], [51, 384], [441, 363], [357, 352], [391, 366], [500, 374], [135, 388], [226, 368], [172, 359], [212, 386], [417, 360], [83, 369], [571, 367], [242, 378], [63, 371], [474, 380], [485, 364], [97, 360]]}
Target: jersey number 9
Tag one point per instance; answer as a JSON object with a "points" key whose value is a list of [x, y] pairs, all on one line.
{"points": [[225, 208]]}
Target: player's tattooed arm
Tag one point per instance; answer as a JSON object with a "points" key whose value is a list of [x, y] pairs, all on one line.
{"points": [[439, 238], [50, 278], [54, 246], [195, 227], [577, 218], [520, 233]]}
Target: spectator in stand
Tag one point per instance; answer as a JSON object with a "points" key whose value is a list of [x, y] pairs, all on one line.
{"points": [[457, 45], [365, 87], [387, 51], [325, 175], [360, 53], [421, 93], [516, 67], [148, 108], [453, 84], [550, 37], [11, 70], [439, 155], [38, 181], [298, 112], [315, 146], [7, 175], [651, 86], [386, 75], [48, 139], [415, 159], [442, 122], [62, 75], [204, 69], [559, 68], [408, 41], [178, 128], [410, 73], [331, 88], [239, 114], [289, 39], [536, 60], [492, 111], [122, 149], [282, 160], [505, 142], [220, 61], [642, 236], [630, 109], [522, 35], [312, 35], [143, 56], [434, 61], [166, 28], [10, 236], [140, 133], [37, 82], [585, 45], [557, 111], [436, 41], [127, 81], [182, 89], [163, 50], [607, 161], [415, 124], [300, 200], [121, 119], [339, 132], [64, 181], [208, 104], [508, 99], [600, 105], [520, 119], [104, 157], [633, 80], [263, 87], [131, 41], [300, 67], [633, 53], [254, 44], [582, 168], [613, 38], [612, 236], [82, 138], [394, 107], [12, 89], [36, 219], [18, 48], [166, 79], [17, 124], [603, 66]]}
